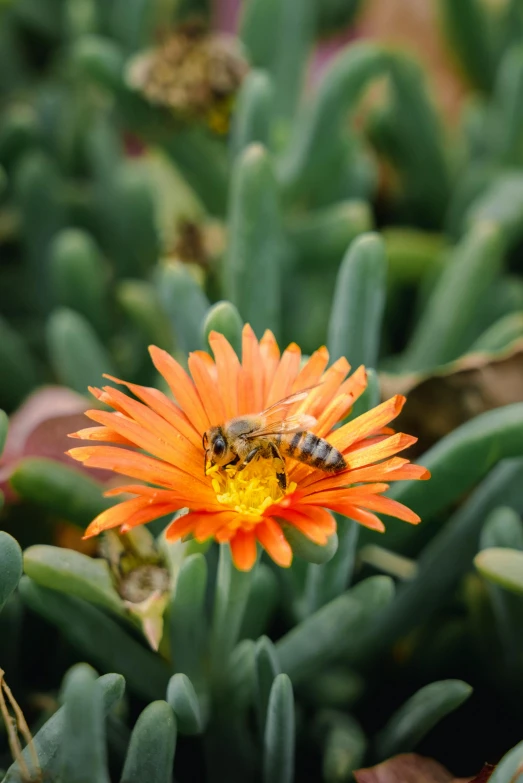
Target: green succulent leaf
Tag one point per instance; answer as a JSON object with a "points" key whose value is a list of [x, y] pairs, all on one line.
{"points": [[252, 117], [334, 631], [316, 137], [126, 215], [40, 197], [242, 677], [79, 276], [184, 302], [263, 599], [83, 749], [407, 727], [140, 302], [324, 235], [456, 464], [98, 637], [19, 374], [267, 669], [306, 549], [183, 699], [279, 739], [60, 489], [503, 528], [510, 767], [11, 566], [502, 566], [255, 245], [48, 741], [443, 562], [503, 532], [460, 290], [355, 322], [153, 743], [501, 203], [187, 626], [500, 336], [230, 601], [74, 574], [344, 746], [469, 29], [223, 317], [78, 357], [506, 120]]}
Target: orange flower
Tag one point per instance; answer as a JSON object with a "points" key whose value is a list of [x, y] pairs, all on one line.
{"points": [[248, 506]]}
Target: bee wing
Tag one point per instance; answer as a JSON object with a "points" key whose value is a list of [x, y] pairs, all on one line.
{"points": [[299, 422], [276, 418], [279, 410]]}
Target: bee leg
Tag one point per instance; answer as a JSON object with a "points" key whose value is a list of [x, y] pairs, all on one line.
{"points": [[282, 477], [250, 456]]}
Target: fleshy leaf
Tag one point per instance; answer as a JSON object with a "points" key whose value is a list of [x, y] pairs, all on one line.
{"points": [[151, 749], [83, 748], [183, 699], [279, 739], [419, 714], [502, 566], [10, 566]]}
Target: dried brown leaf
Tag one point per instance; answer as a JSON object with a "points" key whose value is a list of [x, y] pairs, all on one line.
{"points": [[441, 401], [412, 768]]}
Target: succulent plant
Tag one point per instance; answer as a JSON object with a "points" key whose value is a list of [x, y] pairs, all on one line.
{"points": [[349, 214]]}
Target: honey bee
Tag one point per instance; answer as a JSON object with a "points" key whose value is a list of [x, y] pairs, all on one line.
{"points": [[271, 433]]}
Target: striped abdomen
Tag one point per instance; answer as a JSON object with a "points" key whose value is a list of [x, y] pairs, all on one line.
{"points": [[309, 448]]}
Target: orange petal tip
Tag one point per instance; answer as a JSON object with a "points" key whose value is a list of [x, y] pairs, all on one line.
{"points": [[113, 379]]}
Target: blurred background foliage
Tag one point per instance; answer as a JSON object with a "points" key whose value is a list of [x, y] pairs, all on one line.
{"points": [[171, 166]]}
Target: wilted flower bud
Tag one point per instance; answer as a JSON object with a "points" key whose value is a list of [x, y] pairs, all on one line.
{"points": [[140, 576], [194, 72]]}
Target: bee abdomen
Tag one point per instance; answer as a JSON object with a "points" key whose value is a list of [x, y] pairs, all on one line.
{"points": [[309, 448]]}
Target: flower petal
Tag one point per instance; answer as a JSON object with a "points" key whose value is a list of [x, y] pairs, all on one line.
{"points": [[243, 549], [158, 402], [102, 435], [312, 370], [365, 518], [182, 388], [332, 413], [376, 472], [285, 375], [390, 507], [115, 516], [355, 384], [368, 423], [208, 524], [140, 466], [154, 511], [270, 536], [311, 525], [250, 391], [228, 369], [386, 448], [270, 354], [164, 445], [179, 528], [349, 494], [207, 388], [329, 385]]}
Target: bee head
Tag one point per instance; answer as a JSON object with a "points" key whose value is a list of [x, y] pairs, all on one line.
{"points": [[215, 446]]}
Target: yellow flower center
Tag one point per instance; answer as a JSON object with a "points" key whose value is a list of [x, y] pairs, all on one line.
{"points": [[249, 491]]}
